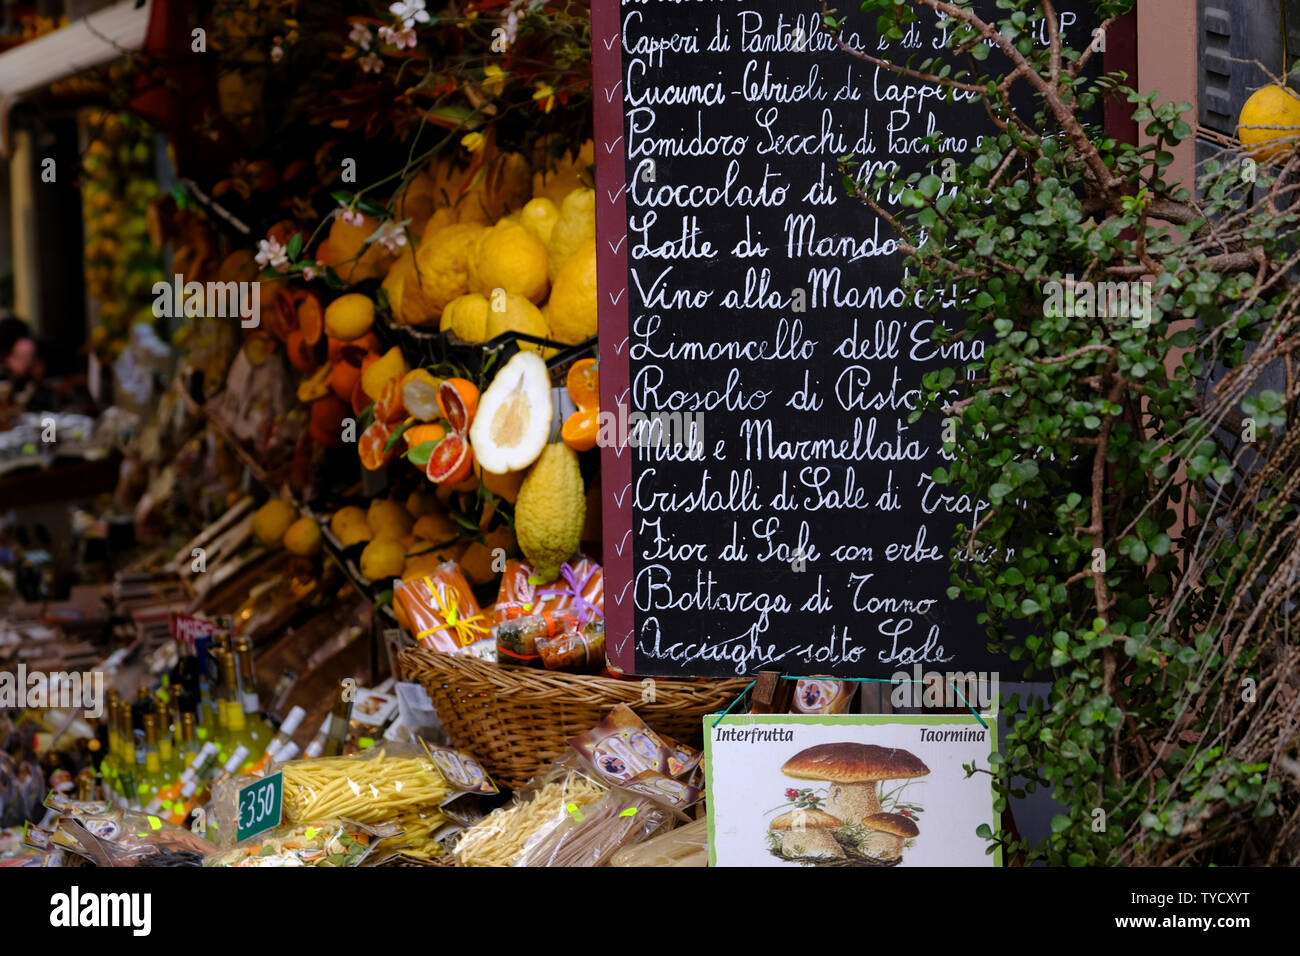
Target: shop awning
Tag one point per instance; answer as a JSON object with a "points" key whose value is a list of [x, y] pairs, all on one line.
{"points": [[97, 38]]}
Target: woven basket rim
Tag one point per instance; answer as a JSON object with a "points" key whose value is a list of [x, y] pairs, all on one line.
{"points": [[528, 683]]}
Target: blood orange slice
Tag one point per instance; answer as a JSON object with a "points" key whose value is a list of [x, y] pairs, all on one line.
{"points": [[371, 446], [451, 461], [458, 399]]}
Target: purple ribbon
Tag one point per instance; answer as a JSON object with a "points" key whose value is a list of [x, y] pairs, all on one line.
{"points": [[574, 590]]}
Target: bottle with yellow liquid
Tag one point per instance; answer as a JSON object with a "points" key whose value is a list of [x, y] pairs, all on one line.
{"points": [[256, 734], [151, 780]]}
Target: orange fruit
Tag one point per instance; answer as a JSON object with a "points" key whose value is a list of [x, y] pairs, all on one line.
{"points": [[327, 420], [345, 377], [419, 434], [311, 317], [283, 318], [370, 447], [360, 400], [451, 461], [367, 343], [458, 400], [300, 353], [583, 383], [581, 428]]}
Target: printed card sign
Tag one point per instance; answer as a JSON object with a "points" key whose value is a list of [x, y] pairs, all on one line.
{"points": [[261, 805], [849, 790], [768, 501]]}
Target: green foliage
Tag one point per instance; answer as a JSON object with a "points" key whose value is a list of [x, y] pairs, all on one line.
{"points": [[1086, 437]]}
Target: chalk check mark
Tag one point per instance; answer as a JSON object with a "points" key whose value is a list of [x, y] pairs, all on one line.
{"points": [[618, 400], [609, 147], [619, 548], [623, 643], [613, 299], [618, 498], [609, 44], [613, 197], [618, 349], [615, 248], [610, 91], [619, 599]]}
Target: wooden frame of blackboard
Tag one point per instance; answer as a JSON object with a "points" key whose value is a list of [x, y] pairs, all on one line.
{"points": [[612, 285]]}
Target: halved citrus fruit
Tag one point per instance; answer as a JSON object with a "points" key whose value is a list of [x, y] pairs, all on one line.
{"points": [[360, 400], [318, 386], [583, 382], [389, 407], [451, 461], [420, 394], [581, 428], [300, 353], [371, 446], [458, 399], [311, 317]]}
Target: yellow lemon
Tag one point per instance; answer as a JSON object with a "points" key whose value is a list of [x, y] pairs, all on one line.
{"points": [[565, 176], [383, 558], [443, 262], [539, 218], [436, 526], [349, 316], [510, 257], [349, 526], [1269, 106], [466, 317], [352, 258], [375, 376], [572, 307], [272, 520], [513, 313], [576, 224], [303, 537], [388, 519]]}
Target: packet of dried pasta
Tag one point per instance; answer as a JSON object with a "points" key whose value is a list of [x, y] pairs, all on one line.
{"points": [[564, 790]]}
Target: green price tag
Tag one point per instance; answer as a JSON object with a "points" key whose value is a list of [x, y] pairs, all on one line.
{"points": [[260, 805]]}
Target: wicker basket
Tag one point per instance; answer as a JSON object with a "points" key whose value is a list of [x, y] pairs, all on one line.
{"points": [[516, 720]]}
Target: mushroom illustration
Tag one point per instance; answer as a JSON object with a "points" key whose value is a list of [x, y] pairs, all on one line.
{"points": [[806, 833], [888, 833], [853, 771]]}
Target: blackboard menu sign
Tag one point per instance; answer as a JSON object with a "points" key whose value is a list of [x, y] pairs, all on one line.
{"points": [[766, 501]]}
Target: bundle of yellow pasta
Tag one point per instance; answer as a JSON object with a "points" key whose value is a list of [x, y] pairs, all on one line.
{"points": [[504, 835], [375, 786]]}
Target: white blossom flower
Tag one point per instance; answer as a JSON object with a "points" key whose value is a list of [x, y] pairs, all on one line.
{"points": [[391, 235], [360, 35], [371, 63], [271, 253], [410, 12], [308, 273], [277, 54], [401, 39], [350, 216]]}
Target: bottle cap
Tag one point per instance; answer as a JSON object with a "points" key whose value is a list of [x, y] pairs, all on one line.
{"points": [[288, 752]]}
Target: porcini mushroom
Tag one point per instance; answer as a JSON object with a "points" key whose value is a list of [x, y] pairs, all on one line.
{"points": [[806, 833], [853, 771], [889, 831]]}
